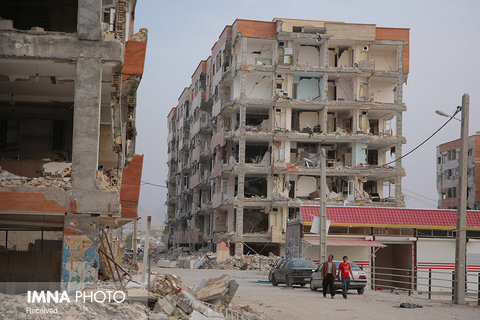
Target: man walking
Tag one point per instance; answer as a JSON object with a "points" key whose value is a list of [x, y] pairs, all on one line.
{"points": [[344, 271], [328, 274]]}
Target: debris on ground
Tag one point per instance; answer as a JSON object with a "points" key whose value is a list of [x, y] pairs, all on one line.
{"points": [[178, 258], [212, 298], [410, 305]]}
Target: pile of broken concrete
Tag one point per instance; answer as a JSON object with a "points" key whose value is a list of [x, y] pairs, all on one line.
{"points": [[176, 258], [210, 300]]}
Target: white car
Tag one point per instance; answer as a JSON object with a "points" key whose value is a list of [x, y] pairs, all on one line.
{"points": [[359, 282]]}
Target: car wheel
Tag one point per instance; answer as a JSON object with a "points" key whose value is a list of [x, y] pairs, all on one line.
{"points": [[302, 284], [274, 281], [312, 286], [361, 290], [288, 282]]}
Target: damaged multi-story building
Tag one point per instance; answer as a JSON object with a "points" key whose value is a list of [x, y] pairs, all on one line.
{"points": [[246, 136], [448, 173], [69, 72]]}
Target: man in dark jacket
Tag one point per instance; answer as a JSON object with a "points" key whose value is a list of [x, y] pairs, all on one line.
{"points": [[329, 274]]}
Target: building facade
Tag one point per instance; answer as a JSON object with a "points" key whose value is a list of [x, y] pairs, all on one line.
{"points": [[448, 173], [69, 73], [245, 137]]}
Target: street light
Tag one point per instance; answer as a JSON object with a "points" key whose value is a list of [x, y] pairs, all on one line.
{"points": [[443, 114], [461, 230]]}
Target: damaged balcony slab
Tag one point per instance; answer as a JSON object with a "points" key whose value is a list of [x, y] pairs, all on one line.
{"points": [[61, 46]]}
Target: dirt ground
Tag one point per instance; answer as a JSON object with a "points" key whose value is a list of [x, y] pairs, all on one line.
{"points": [[281, 303]]}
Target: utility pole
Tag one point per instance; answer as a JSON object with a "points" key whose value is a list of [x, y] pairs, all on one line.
{"points": [[323, 211], [461, 231], [146, 249]]}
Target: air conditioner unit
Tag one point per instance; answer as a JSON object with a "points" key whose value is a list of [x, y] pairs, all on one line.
{"points": [[366, 48]]}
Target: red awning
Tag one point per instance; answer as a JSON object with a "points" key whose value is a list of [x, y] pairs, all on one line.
{"points": [[347, 243]]}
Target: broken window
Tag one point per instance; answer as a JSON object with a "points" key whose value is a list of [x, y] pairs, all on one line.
{"points": [[372, 157], [257, 153], [255, 220], [257, 121], [255, 187], [296, 29]]}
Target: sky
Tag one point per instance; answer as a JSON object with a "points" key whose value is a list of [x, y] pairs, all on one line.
{"points": [[444, 64]]}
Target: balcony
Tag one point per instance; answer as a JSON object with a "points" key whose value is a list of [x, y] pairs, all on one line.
{"points": [[194, 180], [218, 139], [196, 154], [217, 169], [217, 199], [217, 107]]}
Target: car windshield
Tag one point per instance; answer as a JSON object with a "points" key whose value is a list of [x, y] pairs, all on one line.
{"points": [[303, 264]]}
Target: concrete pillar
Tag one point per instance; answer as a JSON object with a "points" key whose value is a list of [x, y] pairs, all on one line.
{"points": [[354, 121], [86, 123], [243, 51], [241, 142], [230, 220], [238, 248], [323, 123], [398, 154], [80, 252], [324, 54], [89, 19]]}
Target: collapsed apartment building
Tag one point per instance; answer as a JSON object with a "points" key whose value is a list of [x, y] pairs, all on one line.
{"points": [[245, 138], [69, 72]]}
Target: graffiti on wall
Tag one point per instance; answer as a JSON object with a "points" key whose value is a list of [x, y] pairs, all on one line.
{"points": [[80, 256]]}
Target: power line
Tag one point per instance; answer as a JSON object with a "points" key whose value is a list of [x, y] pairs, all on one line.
{"points": [[420, 195], [420, 200], [154, 184], [424, 141]]}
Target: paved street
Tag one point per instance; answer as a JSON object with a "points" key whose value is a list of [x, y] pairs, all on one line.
{"points": [[301, 303]]}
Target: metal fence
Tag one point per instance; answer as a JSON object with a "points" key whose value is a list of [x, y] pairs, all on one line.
{"points": [[426, 283]]}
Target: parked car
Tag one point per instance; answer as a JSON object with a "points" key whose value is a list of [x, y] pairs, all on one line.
{"points": [[129, 253], [295, 271], [358, 283], [275, 266]]}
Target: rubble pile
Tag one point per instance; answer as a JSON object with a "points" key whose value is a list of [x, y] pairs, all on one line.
{"points": [[14, 307], [8, 179], [58, 175], [177, 258], [208, 300], [248, 262]]}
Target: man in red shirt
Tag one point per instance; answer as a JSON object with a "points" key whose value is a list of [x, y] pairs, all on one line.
{"points": [[344, 271]]}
